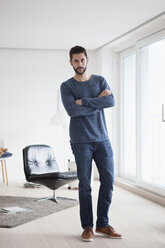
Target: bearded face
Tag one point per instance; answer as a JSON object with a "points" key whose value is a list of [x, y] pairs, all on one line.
{"points": [[80, 70], [79, 63]]}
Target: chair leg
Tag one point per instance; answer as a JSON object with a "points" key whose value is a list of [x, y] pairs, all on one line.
{"points": [[3, 174], [55, 198], [64, 198], [6, 172]]}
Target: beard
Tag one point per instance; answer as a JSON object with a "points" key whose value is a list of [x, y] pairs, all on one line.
{"points": [[80, 72]]}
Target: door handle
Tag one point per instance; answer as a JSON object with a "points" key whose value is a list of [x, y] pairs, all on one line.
{"points": [[163, 113]]}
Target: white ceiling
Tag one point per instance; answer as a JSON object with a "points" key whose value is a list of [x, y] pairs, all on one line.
{"points": [[61, 24]]}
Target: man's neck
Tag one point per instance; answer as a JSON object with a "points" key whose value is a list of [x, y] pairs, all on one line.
{"points": [[82, 78]]}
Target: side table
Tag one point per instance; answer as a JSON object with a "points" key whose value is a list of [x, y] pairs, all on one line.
{"points": [[3, 158]]}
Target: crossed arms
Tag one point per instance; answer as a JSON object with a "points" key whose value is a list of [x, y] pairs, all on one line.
{"points": [[103, 93], [85, 105]]}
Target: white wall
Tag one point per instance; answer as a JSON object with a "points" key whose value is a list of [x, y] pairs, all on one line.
{"points": [[29, 86]]}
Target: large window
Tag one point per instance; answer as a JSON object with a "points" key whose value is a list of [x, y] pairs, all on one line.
{"points": [[143, 113], [152, 80]]}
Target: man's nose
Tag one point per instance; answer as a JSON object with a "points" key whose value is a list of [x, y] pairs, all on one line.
{"points": [[80, 63]]}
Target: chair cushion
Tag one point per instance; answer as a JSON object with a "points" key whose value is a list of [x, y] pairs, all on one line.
{"points": [[43, 176], [68, 175]]}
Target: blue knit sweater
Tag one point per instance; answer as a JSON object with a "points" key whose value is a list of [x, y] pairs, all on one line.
{"points": [[87, 123]]}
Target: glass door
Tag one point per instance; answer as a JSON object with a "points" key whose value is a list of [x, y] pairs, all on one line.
{"points": [[128, 115], [152, 114]]}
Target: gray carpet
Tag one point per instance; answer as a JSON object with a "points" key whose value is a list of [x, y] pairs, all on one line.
{"points": [[37, 209]]}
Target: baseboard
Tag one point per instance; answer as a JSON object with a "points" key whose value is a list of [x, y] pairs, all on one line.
{"points": [[140, 191]]}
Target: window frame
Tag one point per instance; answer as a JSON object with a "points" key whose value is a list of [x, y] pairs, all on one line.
{"points": [[140, 44], [123, 54], [136, 49]]}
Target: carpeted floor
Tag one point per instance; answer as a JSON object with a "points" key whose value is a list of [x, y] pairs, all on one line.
{"points": [[37, 209]]}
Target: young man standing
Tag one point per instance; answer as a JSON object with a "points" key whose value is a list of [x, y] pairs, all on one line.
{"points": [[84, 97]]}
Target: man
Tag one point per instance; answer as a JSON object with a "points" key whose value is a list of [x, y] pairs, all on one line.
{"points": [[84, 97]]}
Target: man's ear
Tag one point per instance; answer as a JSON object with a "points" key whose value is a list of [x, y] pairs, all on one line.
{"points": [[70, 61], [87, 59]]}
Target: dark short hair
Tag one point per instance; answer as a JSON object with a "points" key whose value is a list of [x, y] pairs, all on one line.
{"points": [[77, 50]]}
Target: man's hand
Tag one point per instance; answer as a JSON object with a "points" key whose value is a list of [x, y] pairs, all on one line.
{"points": [[105, 93], [78, 102]]}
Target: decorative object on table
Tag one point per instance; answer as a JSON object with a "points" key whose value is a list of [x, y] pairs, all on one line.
{"points": [[40, 166], [2, 151]]}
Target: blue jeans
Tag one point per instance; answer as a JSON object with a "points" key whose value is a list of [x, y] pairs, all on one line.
{"points": [[102, 154]]}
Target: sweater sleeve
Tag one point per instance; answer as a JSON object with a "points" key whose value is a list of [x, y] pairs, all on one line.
{"points": [[100, 102], [73, 109]]}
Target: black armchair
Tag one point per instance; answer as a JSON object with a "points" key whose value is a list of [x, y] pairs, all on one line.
{"points": [[40, 166]]}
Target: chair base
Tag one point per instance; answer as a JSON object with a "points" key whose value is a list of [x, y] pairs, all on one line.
{"points": [[55, 198], [48, 198]]}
